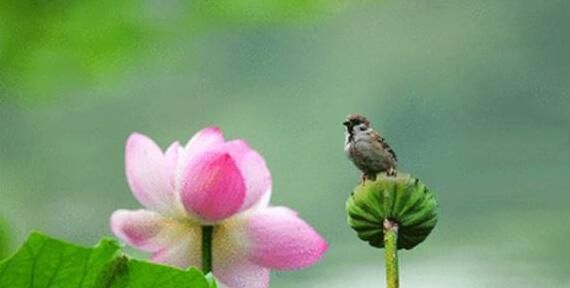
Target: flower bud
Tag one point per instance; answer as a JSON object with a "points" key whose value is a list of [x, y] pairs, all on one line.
{"points": [[402, 200]]}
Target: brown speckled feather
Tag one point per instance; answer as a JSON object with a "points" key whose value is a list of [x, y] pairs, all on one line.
{"points": [[385, 145]]}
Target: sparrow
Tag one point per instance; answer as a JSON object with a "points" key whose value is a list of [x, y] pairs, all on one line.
{"points": [[367, 149]]}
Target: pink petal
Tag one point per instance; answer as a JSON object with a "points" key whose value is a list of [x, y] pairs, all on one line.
{"points": [[205, 139], [138, 228], [172, 242], [172, 156], [241, 274], [148, 175], [254, 170], [212, 186], [278, 239], [231, 265]]}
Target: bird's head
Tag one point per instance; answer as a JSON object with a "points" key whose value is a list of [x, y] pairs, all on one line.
{"points": [[356, 123]]}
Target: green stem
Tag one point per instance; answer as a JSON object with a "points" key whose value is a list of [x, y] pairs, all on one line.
{"points": [[207, 232], [391, 253]]}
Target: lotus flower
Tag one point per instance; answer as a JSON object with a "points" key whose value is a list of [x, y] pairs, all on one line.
{"points": [[212, 183]]}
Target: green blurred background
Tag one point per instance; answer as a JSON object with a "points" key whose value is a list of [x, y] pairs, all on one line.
{"points": [[473, 95]]}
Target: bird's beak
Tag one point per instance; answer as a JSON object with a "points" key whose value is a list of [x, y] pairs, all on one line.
{"points": [[345, 123]]}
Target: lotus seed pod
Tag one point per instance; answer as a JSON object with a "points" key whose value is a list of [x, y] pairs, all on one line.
{"points": [[402, 199]]}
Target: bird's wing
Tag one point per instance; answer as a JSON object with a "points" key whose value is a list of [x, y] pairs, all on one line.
{"points": [[384, 145]]}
